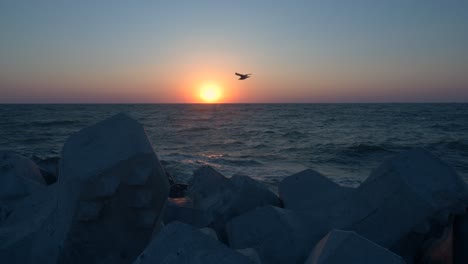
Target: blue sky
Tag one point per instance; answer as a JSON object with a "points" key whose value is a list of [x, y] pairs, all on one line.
{"points": [[299, 51]]}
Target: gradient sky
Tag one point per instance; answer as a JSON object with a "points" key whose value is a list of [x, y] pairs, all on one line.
{"points": [[298, 51]]}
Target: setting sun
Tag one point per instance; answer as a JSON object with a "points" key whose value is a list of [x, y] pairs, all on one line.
{"points": [[210, 93]]}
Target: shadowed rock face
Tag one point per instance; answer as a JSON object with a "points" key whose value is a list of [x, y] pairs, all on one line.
{"points": [[310, 191], [48, 168], [409, 193], [118, 187], [104, 207], [185, 213], [460, 235], [178, 243], [223, 198], [412, 189], [30, 232], [278, 235], [340, 246], [251, 254], [19, 176]]}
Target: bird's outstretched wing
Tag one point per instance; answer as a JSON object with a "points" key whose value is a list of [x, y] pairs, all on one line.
{"points": [[238, 74]]}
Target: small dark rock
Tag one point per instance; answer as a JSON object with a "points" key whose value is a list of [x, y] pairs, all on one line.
{"points": [[48, 168], [178, 190], [49, 178]]}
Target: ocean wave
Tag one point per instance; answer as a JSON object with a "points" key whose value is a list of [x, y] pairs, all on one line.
{"points": [[33, 140], [362, 149], [459, 145], [54, 123], [446, 127], [194, 129], [295, 149], [235, 162], [178, 155], [226, 143], [294, 135], [218, 159], [354, 138]]}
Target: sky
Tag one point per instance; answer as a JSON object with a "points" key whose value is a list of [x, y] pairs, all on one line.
{"points": [[119, 51]]}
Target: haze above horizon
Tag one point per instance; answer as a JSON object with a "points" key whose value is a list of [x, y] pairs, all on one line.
{"points": [[187, 52]]}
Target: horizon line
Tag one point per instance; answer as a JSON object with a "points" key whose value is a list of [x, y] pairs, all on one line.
{"points": [[246, 103]]}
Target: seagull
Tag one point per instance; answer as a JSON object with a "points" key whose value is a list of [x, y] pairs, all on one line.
{"points": [[243, 76]]}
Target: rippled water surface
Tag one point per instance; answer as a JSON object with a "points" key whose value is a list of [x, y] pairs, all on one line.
{"points": [[265, 141]]}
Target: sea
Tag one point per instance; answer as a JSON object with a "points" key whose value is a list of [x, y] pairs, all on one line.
{"points": [[268, 142]]}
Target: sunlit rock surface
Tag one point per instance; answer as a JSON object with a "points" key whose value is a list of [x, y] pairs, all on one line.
{"points": [[117, 189], [340, 246], [310, 190], [278, 235], [178, 243]]}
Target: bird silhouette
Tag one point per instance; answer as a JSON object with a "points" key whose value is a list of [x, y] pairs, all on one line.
{"points": [[243, 76]]}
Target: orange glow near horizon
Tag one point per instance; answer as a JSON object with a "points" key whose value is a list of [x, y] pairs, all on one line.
{"points": [[210, 93]]}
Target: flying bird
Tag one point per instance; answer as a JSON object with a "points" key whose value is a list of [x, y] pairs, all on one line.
{"points": [[243, 76]]}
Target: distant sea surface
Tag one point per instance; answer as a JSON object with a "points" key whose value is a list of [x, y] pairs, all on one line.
{"points": [[265, 141]]}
